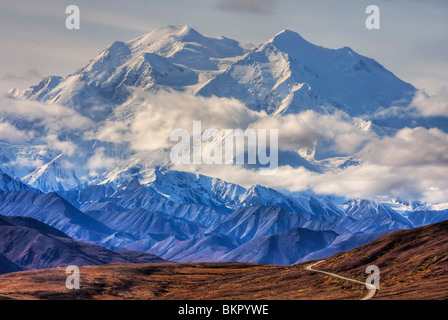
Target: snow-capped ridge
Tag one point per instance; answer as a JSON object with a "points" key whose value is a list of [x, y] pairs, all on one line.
{"points": [[171, 58], [288, 74], [288, 39]]}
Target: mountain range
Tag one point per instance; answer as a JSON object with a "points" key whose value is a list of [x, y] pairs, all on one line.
{"points": [[136, 204], [263, 225], [283, 75]]}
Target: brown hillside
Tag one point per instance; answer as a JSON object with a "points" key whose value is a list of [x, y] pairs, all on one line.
{"points": [[413, 263]]}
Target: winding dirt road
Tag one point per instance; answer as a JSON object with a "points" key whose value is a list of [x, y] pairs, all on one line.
{"points": [[371, 290]]}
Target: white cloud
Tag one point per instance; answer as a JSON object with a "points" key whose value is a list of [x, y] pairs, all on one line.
{"points": [[411, 165], [99, 161], [10, 133], [431, 105], [53, 143], [418, 146], [54, 118], [35, 123], [158, 115], [306, 128], [427, 183]]}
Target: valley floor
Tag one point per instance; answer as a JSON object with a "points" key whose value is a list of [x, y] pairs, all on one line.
{"points": [[178, 281]]}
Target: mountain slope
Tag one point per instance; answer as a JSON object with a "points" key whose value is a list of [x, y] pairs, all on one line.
{"points": [[7, 266], [199, 248], [282, 248], [133, 195], [371, 216], [425, 217], [29, 244], [141, 221], [180, 225], [51, 209], [248, 223], [413, 263], [9, 184]]}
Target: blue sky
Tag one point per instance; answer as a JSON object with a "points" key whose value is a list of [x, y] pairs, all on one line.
{"points": [[412, 42]]}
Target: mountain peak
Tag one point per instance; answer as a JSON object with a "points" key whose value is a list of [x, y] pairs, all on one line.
{"points": [[288, 38], [288, 33], [179, 30], [176, 31], [184, 29]]}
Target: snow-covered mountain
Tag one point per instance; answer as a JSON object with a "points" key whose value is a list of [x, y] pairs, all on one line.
{"points": [[371, 216], [288, 74], [175, 57]]}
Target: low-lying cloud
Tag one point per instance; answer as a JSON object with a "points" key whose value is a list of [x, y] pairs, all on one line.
{"points": [[9, 133], [160, 114], [344, 134], [418, 146], [410, 164], [431, 105], [33, 122]]}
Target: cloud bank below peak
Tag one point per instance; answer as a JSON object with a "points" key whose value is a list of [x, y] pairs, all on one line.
{"points": [[409, 164]]}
